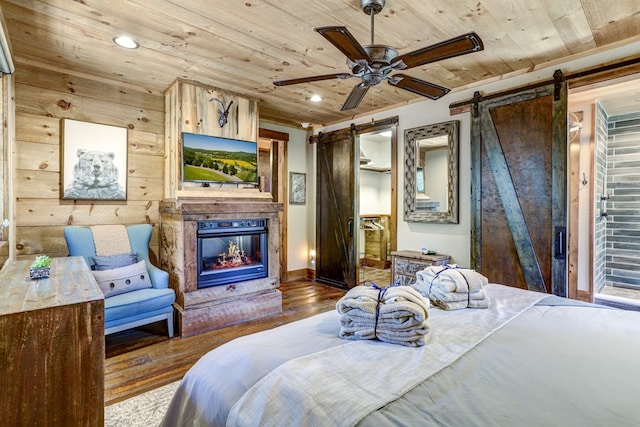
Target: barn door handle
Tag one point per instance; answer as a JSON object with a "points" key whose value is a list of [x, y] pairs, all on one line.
{"points": [[350, 227], [560, 243]]}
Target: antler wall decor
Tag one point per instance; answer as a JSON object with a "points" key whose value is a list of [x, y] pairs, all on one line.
{"points": [[224, 112]]}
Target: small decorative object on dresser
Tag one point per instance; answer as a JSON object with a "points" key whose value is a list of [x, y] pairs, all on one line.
{"points": [[40, 267], [405, 265]]}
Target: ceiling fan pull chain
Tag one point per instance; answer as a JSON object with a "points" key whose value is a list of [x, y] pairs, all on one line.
{"points": [[372, 107]]}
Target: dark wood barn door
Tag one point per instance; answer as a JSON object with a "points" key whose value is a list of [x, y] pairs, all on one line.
{"points": [[336, 209], [519, 188]]}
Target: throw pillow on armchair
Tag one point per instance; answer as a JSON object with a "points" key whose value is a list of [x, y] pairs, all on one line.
{"points": [[124, 279]]}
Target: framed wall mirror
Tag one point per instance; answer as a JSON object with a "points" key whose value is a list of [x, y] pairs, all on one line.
{"points": [[431, 173]]}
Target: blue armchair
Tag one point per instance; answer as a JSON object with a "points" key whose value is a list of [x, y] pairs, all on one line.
{"points": [[138, 307]]}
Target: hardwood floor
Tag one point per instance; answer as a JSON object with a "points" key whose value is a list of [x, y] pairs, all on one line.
{"points": [[144, 358], [375, 275]]}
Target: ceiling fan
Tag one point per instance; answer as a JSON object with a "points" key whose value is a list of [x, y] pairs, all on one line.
{"points": [[373, 63]]}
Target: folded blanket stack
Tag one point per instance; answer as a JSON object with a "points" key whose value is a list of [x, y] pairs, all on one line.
{"points": [[451, 288], [396, 315]]}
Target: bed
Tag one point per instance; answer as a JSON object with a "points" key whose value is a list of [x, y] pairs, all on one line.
{"points": [[529, 359]]}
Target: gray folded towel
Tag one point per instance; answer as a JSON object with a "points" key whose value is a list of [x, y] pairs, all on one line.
{"points": [[438, 293], [457, 305], [397, 315], [452, 288], [453, 278], [416, 337]]}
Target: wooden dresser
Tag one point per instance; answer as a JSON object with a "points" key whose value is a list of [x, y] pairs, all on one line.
{"points": [[405, 265], [51, 346]]}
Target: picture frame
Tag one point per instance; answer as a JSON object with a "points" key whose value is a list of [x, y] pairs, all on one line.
{"points": [[297, 188], [94, 161]]}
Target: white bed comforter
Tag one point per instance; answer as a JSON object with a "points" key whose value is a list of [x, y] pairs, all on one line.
{"points": [[256, 380], [560, 366], [548, 365], [381, 372]]}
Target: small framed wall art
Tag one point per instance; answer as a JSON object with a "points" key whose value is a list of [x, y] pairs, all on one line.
{"points": [[297, 188], [94, 161]]}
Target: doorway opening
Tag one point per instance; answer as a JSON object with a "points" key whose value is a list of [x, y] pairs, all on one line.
{"points": [[341, 259], [272, 166], [375, 206], [604, 138]]}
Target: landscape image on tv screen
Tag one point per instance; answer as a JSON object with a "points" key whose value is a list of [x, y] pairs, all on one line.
{"points": [[208, 158]]}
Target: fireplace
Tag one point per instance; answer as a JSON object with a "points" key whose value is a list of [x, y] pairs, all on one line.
{"points": [[196, 235], [231, 251]]}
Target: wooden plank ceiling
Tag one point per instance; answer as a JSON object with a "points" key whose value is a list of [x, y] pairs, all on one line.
{"points": [[243, 46]]}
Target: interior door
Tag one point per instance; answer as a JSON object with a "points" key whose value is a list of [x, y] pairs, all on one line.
{"points": [[519, 194], [336, 209], [272, 166]]}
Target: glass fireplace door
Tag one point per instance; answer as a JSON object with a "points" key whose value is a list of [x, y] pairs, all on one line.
{"points": [[230, 256]]}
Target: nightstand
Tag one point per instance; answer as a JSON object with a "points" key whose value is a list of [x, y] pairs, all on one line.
{"points": [[405, 265]]}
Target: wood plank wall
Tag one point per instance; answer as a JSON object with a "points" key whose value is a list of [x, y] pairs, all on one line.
{"points": [[4, 172], [43, 98]]}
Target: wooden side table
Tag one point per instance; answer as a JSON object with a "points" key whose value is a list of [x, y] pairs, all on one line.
{"points": [[405, 265], [52, 346]]}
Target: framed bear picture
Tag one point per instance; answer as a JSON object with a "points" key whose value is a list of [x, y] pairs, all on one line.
{"points": [[94, 161]]}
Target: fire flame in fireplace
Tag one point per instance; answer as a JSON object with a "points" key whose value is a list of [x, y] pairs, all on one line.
{"points": [[234, 257]]}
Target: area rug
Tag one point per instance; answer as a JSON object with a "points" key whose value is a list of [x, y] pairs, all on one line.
{"points": [[143, 410]]}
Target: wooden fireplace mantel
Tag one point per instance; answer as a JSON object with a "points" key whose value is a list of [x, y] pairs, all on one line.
{"points": [[210, 194], [206, 309], [220, 206]]}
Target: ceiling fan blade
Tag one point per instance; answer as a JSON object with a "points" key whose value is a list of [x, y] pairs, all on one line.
{"points": [[341, 38], [355, 97], [311, 79], [456, 46], [420, 87]]}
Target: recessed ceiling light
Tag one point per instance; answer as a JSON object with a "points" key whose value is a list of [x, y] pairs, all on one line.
{"points": [[316, 98], [126, 42]]}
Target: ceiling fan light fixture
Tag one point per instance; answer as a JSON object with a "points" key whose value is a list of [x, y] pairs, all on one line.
{"points": [[373, 64], [372, 6], [126, 42]]}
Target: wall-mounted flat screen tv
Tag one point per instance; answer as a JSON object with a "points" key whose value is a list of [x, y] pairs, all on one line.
{"points": [[211, 159]]}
